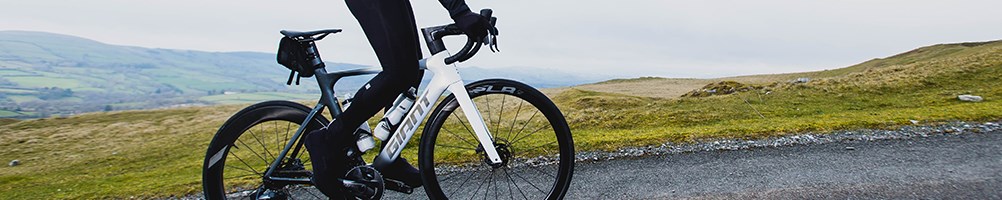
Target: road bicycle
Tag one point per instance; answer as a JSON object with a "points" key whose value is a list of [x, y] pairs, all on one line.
{"points": [[493, 138]]}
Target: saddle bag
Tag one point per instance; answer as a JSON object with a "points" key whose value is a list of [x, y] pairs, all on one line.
{"points": [[292, 54]]}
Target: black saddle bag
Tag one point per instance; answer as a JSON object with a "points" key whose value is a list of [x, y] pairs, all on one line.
{"points": [[292, 54]]}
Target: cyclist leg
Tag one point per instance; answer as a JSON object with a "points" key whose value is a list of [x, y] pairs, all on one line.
{"points": [[390, 29], [389, 26]]}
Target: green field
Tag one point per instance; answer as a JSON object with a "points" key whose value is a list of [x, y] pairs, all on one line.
{"points": [[16, 91], [158, 153], [41, 82], [9, 114], [14, 72], [23, 98]]}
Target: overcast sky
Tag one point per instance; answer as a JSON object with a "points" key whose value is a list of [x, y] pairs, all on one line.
{"points": [[691, 38]]}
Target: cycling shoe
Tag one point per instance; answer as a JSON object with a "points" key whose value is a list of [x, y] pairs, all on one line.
{"points": [[401, 170]]}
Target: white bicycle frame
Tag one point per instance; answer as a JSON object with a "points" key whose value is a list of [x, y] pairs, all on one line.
{"points": [[444, 77]]}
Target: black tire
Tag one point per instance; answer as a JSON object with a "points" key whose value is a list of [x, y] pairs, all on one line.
{"points": [[539, 166], [247, 137]]}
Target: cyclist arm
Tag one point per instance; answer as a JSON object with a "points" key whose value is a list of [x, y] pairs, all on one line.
{"points": [[457, 8]]}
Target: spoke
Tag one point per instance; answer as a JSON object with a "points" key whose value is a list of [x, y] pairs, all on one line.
{"points": [[265, 147], [465, 125], [477, 190], [463, 183], [252, 173], [530, 183], [450, 146], [527, 135], [488, 101], [511, 194], [245, 163], [517, 112], [524, 125], [516, 184], [278, 143], [287, 128], [449, 176], [454, 135], [526, 151], [244, 175], [490, 181], [541, 171], [252, 150], [498, 126]]}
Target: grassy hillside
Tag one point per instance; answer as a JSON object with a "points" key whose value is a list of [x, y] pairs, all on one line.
{"points": [[922, 85], [676, 87], [158, 153]]}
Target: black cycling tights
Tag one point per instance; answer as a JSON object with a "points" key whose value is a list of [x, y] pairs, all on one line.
{"points": [[389, 25]]}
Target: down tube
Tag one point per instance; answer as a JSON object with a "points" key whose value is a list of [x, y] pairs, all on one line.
{"points": [[396, 143]]}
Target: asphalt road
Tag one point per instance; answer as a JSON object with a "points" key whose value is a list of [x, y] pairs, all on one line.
{"points": [[966, 166]]}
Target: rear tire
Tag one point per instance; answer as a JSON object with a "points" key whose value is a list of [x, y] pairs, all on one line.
{"points": [[246, 145], [529, 132]]}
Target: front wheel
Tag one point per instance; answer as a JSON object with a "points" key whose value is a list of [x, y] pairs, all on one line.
{"points": [[529, 133]]}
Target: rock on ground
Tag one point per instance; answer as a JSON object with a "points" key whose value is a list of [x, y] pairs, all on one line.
{"points": [[970, 98]]}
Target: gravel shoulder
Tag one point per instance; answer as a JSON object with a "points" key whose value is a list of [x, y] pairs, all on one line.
{"points": [[951, 161]]}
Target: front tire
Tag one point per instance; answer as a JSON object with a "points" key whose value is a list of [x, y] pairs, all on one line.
{"points": [[246, 145], [529, 132]]}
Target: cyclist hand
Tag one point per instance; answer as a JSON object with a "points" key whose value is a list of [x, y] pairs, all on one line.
{"points": [[474, 25]]}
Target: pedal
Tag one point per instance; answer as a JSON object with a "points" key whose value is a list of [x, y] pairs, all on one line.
{"points": [[397, 186]]}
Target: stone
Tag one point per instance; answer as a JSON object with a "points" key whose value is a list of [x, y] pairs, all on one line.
{"points": [[914, 121], [850, 148], [14, 163], [802, 80], [970, 98]]}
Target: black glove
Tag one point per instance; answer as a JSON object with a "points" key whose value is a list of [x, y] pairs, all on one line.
{"points": [[474, 25]]}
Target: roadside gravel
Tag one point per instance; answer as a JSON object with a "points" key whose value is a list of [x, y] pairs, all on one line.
{"points": [[809, 138]]}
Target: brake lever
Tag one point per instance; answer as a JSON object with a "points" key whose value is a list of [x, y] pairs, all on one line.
{"points": [[492, 37], [492, 42]]}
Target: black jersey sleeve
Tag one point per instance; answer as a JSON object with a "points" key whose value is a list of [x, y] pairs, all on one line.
{"points": [[455, 7]]}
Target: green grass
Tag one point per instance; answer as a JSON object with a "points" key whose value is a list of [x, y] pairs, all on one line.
{"points": [[23, 98], [16, 91], [41, 81], [14, 72], [9, 114], [158, 153]]}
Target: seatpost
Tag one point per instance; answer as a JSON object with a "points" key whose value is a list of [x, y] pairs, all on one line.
{"points": [[314, 55]]}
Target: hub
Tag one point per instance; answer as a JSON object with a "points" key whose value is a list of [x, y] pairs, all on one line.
{"points": [[503, 151]]}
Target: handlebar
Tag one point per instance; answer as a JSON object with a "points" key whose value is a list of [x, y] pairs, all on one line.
{"points": [[433, 36]]}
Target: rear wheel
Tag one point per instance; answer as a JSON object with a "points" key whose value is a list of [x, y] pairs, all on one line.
{"points": [[247, 144], [528, 131]]}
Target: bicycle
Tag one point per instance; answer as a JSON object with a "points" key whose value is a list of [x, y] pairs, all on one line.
{"points": [[500, 149]]}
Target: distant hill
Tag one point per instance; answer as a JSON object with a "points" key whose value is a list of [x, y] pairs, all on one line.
{"points": [[44, 74], [676, 87]]}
